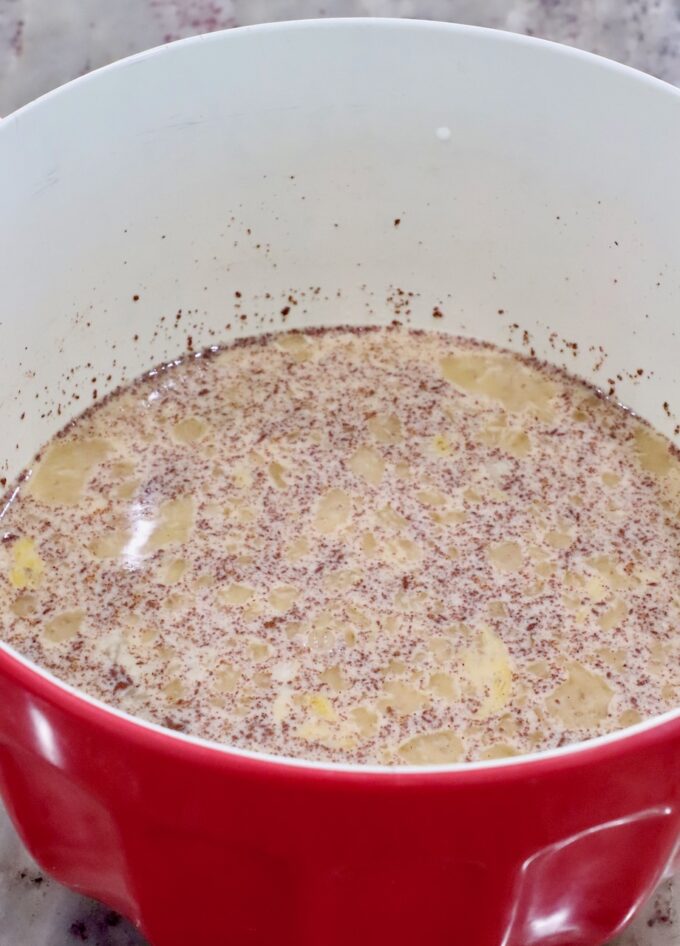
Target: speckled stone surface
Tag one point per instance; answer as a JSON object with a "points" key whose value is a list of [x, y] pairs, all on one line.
{"points": [[46, 42]]}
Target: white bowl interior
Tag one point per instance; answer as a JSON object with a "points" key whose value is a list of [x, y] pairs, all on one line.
{"points": [[526, 177]]}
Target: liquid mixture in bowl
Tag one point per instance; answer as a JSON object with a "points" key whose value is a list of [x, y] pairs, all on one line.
{"points": [[375, 546]]}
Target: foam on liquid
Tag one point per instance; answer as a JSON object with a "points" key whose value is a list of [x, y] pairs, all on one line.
{"points": [[365, 546]]}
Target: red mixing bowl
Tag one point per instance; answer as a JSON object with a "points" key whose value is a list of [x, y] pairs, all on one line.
{"points": [[179, 199]]}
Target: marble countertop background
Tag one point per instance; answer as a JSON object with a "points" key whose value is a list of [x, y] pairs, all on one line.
{"points": [[44, 43]]}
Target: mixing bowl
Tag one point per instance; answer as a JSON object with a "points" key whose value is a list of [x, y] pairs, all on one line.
{"points": [[321, 173]]}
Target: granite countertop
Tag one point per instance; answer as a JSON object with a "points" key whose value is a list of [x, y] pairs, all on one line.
{"points": [[44, 43]]}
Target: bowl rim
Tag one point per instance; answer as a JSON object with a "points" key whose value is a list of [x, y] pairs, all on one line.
{"points": [[322, 24], [46, 686]]}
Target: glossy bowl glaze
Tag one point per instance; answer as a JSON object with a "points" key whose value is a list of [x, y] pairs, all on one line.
{"points": [[315, 174]]}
